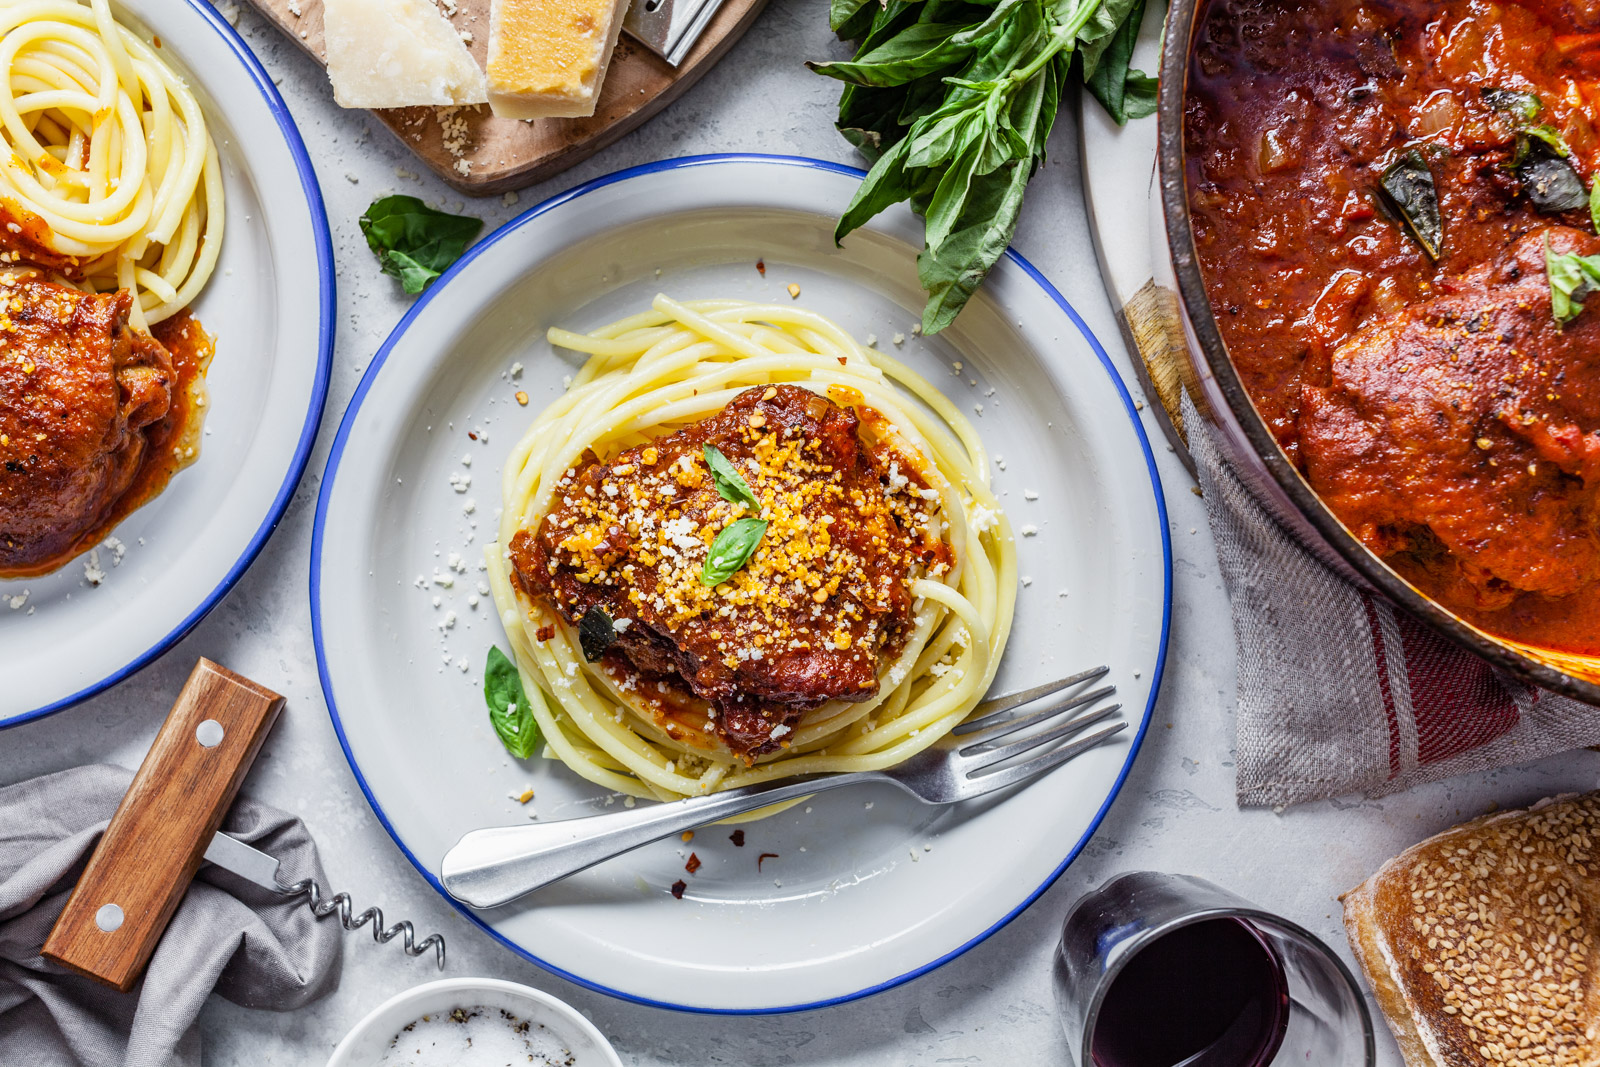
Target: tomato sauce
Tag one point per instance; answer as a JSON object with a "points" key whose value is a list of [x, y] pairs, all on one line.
{"points": [[1435, 404]]}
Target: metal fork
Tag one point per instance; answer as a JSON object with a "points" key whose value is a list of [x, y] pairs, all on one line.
{"points": [[487, 868]]}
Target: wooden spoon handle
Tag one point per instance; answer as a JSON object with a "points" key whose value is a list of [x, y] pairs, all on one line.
{"points": [[150, 852]]}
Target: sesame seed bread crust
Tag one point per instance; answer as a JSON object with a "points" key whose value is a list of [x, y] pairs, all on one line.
{"points": [[1477, 942]]}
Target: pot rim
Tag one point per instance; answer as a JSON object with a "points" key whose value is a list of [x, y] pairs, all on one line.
{"points": [[1177, 39]]}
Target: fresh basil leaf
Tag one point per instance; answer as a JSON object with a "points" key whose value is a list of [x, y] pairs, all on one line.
{"points": [[885, 184], [1551, 137], [942, 135], [1572, 278], [950, 197], [1514, 102], [952, 272], [731, 550], [1106, 66], [920, 49], [1594, 204], [510, 710], [414, 277], [1552, 185], [731, 486], [842, 12], [596, 633], [1408, 185], [1140, 94], [414, 242], [1110, 35]]}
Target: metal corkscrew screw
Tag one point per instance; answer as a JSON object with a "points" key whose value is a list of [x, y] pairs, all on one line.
{"points": [[340, 902]]}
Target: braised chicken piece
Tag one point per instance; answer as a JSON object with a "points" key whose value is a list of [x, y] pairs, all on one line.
{"points": [[79, 392], [822, 600], [1464, 430]]}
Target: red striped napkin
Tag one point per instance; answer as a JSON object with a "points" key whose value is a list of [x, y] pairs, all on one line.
{"points": [[1341, 692]]}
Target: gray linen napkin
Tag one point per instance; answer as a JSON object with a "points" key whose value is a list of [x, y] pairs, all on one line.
{"points": [[1341, 692], [228, 935]]}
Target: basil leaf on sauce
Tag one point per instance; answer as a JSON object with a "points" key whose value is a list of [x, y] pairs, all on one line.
{"points": [[1525, 106], [731, 550], [1407, 183], [414, 242], [596, 633], [510, 710], [1552, 185], [731, 486], [1572, 278], [1551, 137], [1594, 205]]}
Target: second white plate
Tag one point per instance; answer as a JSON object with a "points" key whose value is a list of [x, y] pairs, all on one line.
{"points": [[859, 890], [101, 617]]}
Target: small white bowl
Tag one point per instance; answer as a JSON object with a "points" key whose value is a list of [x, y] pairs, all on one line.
{"points": [[365, 1045]]}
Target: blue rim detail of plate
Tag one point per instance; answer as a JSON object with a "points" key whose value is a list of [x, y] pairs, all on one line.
{"points": [[319, 392], [337, 452]]}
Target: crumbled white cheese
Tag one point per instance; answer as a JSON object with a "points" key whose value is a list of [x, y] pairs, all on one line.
{"points": [[983, 519], [1029, 530]]}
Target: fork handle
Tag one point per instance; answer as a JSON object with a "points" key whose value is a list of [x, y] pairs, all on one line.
{"points": [[487, 868]]}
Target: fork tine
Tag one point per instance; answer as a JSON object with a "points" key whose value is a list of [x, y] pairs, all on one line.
{"points": [[988, 783], [996, 726], [995, 705], [981, 757]]}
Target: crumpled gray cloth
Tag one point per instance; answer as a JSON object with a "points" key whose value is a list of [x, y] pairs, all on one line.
{"points": [[228, 935], [1342, 692]]}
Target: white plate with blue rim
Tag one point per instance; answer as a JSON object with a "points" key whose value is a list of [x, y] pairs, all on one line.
{"points": [[269, 304], [857, 890]]}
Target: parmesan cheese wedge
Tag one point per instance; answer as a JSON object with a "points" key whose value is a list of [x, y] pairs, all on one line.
{"points": [[547, 58], [397, 53]]}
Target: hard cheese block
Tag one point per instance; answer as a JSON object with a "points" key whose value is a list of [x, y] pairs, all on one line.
{"points": [[397, 53], [547, 58]]}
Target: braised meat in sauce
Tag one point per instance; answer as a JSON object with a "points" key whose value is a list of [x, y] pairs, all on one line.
{"points": [[823, 602], [1433, 401], [84, 401]]}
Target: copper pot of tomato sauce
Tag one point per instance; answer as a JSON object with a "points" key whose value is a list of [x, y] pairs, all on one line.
{"points": [[1360, 199]]}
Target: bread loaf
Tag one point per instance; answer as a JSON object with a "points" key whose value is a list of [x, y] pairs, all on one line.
{"points": [[1479, 942]]}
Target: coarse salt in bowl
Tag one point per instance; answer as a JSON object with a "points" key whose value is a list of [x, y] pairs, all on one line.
{"points": [[428, 1027]]}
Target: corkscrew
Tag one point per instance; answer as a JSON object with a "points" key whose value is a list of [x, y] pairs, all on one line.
{"points": [[340, 902], [170, 821]]}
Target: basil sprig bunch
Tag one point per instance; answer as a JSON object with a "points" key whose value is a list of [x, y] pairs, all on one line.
{"points": [[953, 101]]}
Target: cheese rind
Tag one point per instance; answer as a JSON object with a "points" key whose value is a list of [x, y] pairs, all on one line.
{"points": [[548, 58], [397, 53]]}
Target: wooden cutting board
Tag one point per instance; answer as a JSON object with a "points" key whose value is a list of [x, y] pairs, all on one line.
{"points": [[484, 155]]}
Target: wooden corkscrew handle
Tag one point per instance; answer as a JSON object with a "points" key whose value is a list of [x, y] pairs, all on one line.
{"points": [[149, 854]]}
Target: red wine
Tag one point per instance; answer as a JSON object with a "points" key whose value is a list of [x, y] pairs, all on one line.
{"points": [[1210, 994]]}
